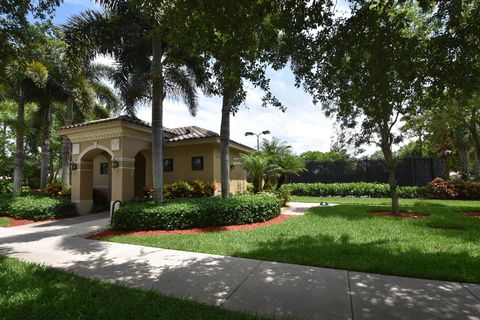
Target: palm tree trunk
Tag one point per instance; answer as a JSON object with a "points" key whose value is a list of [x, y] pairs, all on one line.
{"points": [[225, 147], [47, 125], [19, 162], [66, 148], [157, 121]]}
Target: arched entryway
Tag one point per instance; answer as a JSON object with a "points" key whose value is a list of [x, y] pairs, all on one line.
{"points": [[140, 179], [93, 179]]}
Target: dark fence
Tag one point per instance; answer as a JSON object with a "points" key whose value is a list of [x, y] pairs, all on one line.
{"points": [[410, 171]]}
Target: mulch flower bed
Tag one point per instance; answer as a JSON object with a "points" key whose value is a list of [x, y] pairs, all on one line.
{"points": [[407, 215], [471, 214], [109, 232], [17, 222], [21, 222]]}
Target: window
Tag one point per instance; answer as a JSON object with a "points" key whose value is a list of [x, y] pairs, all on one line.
{"points": [[197, 163], [168, 165], [104, 168]]}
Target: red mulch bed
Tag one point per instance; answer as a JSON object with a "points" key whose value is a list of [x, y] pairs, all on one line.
{"points": [[109, 232], [408, 215], [21, 222], [471, 214]]}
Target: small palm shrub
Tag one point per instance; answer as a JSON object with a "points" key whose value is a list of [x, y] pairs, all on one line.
{"points": [[196, 212]]}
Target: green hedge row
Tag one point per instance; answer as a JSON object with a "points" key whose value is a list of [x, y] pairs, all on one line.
{"points": [[354, 189], [196, 213], [36, 207]]}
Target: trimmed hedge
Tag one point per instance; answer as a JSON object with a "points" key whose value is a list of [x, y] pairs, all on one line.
{"points": [[354, 189], [196, 213], [36, 207]]}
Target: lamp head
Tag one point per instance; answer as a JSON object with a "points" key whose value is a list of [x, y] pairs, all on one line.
{"points": [[266, 132], [249, 133]]}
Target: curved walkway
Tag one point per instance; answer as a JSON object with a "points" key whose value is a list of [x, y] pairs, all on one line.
{"points": [[240, 284]]}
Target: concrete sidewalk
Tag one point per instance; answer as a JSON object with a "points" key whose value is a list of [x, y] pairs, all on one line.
{"points": [[239, 284]]}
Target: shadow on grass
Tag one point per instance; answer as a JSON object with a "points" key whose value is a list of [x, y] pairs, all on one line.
{"points": [[376, 256], [30, 291]]}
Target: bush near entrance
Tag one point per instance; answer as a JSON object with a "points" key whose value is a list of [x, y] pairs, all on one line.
{"points": [[184, 189], [196, 213], [36, 207]]}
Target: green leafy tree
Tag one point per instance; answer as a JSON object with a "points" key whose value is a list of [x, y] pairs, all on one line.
{"points": [[332, 155], [366, 70]]}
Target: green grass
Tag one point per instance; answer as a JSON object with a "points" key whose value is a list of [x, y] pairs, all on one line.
{"points": [[4, 222], [445, 246], [30, 291], [388, 201]]}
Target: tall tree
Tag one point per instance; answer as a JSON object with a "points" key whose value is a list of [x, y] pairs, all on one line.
{"points": [[143, 37], [237, 38], [366, 70]]}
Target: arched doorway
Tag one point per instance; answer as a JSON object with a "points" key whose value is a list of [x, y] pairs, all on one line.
{"points": [[140, 180], [93, 179]]}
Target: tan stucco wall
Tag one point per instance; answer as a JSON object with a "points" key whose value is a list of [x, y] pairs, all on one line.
{"points": [[182, 162], [238, 176], [121, 141]]}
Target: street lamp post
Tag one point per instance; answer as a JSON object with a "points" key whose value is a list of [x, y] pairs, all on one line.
{"points": [[258, 136]]}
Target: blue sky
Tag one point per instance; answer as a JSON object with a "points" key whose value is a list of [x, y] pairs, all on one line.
{"points": [[303, 125]]}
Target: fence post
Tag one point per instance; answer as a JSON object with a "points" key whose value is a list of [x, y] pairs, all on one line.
{"points": [[413, 161]]}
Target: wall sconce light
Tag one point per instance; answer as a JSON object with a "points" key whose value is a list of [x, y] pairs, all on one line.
{"points": [[73, 166], [114, 163]]}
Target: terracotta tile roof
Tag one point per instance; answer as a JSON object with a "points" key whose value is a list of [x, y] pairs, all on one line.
{"points": [[172, 134]]}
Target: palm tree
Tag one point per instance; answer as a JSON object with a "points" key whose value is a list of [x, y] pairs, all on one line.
{"points": [[23, 76], [258, 168], [139, 40], [278, 153]]}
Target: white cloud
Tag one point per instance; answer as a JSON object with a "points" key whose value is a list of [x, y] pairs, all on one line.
{"points": [[302, 125]]}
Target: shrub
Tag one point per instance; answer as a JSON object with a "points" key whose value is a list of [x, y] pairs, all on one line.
{"points": [[36, 207], [283, 196], [53, 189], [454, 189], [354, 189], [183, 189], [196, 213], [6, 186]]}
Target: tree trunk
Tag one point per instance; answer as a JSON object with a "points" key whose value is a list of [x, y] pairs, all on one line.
{"points": [[157, 121], [66, 148], [464, 158], [225, 147], [392, 180], [476, 146], [19, 162], [44, 161]]}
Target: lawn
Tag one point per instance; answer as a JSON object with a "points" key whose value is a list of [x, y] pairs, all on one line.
{"points": [[4, 222], [388, 201], [30, 291], [444, 246]]}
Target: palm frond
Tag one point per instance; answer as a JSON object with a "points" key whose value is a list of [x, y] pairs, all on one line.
{"points": [[180, 83]]}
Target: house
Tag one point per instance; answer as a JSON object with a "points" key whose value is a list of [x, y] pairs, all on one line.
{"points": [[114, 157]]}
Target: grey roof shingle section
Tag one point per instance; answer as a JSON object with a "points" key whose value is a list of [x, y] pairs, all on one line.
{"points": [[172, 134], [190, 132]]}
